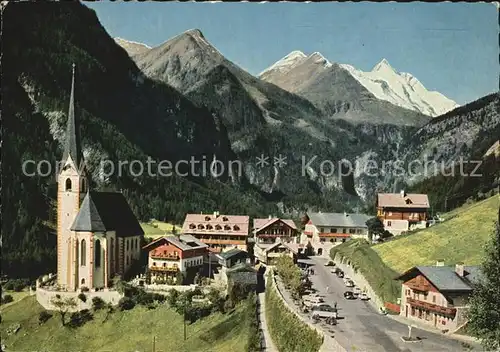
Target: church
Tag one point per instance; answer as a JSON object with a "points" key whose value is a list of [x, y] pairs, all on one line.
{"points": [[98, 235]]}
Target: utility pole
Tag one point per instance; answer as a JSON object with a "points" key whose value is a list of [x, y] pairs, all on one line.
{"points": [[445, 203], [184, 318], [154, 343]]}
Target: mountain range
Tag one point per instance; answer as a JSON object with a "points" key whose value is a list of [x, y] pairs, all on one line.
{"points": [[184, 99]]}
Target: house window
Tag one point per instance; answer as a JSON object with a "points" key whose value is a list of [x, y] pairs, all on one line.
{"points": [[207, 218], [236, 228], [344, 230], [225, 219], [164, 264], [334, 230], [390, 213], [83, 282], [165, 252], [98, 253], [322, 229], [83, 253], [82, 188], [389, 224], [68, 184], [359, 231], [218, 227], [433, 299], [154, 263], [352, 231]]}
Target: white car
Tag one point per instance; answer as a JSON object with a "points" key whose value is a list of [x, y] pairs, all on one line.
{"points": [[357, 290], [313, 300], [363, 296]]}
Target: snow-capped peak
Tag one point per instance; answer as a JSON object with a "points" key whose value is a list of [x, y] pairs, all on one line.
{"points": [[401, 89], [320, 59], [383, 65], [286, 63], [131, 47]]}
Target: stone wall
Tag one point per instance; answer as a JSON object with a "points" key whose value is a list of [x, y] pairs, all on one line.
{"points": [[44, 297], [166, 288], [329, 344]]}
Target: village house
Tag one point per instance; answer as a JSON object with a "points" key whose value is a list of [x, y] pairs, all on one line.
{"points": [[324, 230], [268, 230], [438, 295], [269, 255], [401, 212], [172, 254], [98, 235], [232, 257], [219, 232]]}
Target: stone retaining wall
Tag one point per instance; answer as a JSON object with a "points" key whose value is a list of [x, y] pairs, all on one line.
{"points": [[44, 297], [329, 344]]}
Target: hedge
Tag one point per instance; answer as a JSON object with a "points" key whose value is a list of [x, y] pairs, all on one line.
{"points": [[288, 332]]}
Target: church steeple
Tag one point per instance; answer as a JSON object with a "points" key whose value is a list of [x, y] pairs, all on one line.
{"points": [[72, 142]]}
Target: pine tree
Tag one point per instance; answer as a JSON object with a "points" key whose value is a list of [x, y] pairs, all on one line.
{"points": [[484, 312]]}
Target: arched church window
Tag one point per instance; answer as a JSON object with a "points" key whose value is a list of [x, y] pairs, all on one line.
{"points": [[68, 184], [98, 253], [83, 253], [83, 282]]}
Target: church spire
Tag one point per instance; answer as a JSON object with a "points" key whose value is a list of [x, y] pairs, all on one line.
{"points": [[72, 142]]}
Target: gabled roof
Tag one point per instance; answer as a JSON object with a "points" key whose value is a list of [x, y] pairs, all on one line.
{"points": [[71, 147], [259, 224], [338, 219], [183, 242], [403, 200], [107, 211], [444, 278], [216, 224], [278, 244], [231, 253]]}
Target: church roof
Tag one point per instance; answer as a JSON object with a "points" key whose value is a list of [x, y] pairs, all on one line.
{"points": [[71, 145], [107, 211]]}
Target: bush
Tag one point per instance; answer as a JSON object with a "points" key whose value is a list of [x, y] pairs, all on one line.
{"points": [[126, 303], [18, 286], [98, 303], [78, 319], [82, 297], [173, 296], [254, 336], [43, 317], [9, 285], [7, 299]]}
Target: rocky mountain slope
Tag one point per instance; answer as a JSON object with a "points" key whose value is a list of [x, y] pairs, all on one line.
{"points": [[132, 48], [123, 115], [261, 118], [300, 73]]}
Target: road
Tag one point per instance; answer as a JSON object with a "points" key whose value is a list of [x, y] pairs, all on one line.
{"points": [[362, 328]]}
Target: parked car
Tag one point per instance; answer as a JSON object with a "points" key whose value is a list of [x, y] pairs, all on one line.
{"points": [[349, 295], [313, 300], [357, 290], [325, 311], [348, 283], [363, 296], [338, 272]]}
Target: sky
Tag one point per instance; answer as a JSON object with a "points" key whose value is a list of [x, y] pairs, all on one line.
{"points": [[450, 47]]}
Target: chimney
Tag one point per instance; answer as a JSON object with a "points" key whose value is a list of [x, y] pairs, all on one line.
{"points": [[460, 269], [403, 194], [215, 214], [440, 262], [269, 218], [345, 214]]}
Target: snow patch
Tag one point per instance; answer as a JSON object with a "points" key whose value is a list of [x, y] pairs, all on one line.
{"points": [[287, 62]]}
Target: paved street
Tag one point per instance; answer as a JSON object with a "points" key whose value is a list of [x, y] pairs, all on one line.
{"points": [[362, 328]]}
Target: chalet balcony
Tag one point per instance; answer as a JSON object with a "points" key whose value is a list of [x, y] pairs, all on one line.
{"points": [[164, 268], [432, 307], [165, 256], [420, 287], [222, 241], [272, 235], [334, 235]]}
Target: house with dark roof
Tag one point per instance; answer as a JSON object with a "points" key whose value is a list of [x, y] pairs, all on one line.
{"points": [[98, 235], [438, 295], [172, 254], [232, 257], [323, 230], [401, 212]]}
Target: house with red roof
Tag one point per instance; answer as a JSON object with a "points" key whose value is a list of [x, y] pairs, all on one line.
{"points": [[402, 212], [219, 232]]}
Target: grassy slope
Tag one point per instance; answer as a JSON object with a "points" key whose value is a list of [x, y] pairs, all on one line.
{"points": [[365, 260], [459, 239], [124, 331], [161, 228]]}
